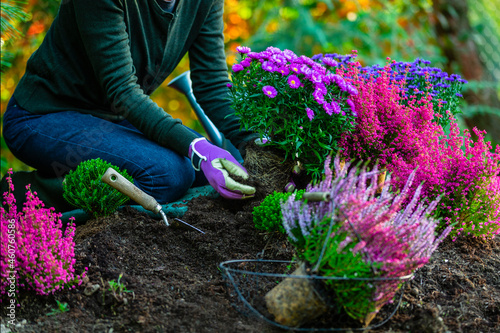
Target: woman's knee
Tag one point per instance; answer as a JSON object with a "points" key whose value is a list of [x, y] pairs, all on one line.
{"points": [[168, 185]]}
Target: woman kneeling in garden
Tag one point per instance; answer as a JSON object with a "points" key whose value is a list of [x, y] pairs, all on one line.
{"points": [[86, 94]]}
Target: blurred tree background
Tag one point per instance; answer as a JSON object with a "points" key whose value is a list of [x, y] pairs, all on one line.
{"points": [[459, 36]]}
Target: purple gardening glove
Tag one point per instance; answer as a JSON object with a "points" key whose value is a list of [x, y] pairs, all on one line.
{"points": [[218, 166]]}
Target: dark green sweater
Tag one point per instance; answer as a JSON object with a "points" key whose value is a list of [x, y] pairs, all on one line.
{"points": [[105, 57]]}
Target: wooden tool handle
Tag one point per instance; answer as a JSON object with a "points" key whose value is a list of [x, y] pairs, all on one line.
{"points": [[316, 196], [122, 184]]}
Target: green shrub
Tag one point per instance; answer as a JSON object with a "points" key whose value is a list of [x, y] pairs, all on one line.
{"points": [[84, 189], [267, 216]]}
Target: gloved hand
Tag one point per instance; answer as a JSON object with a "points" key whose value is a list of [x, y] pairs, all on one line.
{"points": [[218, 166]]}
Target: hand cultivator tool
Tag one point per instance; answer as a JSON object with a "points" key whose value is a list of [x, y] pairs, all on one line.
{"points": [[120, 183]]}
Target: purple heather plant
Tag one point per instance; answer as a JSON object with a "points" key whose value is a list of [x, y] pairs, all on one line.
{"points": [[395, 236], [40, 255], [295, 102]]}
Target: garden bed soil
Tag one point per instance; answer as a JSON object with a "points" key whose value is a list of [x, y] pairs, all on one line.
{"points": [[178, 286], [175, 282]]}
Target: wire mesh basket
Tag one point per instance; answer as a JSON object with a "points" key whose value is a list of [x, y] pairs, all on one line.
{"points": [[249, 281]]}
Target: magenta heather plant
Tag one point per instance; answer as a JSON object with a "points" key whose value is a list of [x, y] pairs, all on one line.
{"points": [[420, 78], [386, 128], [394, 232], [395, 127], [39, 255], [467, 175]]}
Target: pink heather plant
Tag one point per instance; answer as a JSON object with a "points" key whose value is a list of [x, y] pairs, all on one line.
{"points": [[420, 78], [466, 174], [386, 128], [394, 233], [395, 127], [43, 256], [295, 102]]}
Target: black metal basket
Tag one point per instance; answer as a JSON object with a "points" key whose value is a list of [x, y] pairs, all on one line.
{"points": [[249, 281]]}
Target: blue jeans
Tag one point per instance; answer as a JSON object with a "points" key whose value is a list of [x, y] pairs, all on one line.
{"points": [[56, 143]]}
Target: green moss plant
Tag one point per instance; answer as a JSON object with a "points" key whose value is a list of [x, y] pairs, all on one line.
{"points": [[267, 216]]}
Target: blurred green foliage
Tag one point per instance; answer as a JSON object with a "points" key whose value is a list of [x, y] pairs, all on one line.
{"points": [[401, 29]]}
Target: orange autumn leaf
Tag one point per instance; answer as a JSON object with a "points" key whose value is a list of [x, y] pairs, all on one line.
{"points": [[36, 28]]}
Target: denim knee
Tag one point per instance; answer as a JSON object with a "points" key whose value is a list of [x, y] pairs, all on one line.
{"points": [[170, 184]]}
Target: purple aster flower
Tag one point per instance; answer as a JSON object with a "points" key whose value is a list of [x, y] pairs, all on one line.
{"points": [[289, 55], [243, 49], [284, 70], [353, 108], [352, 90], [307, 60], [253, 55], [246, 62], [265, 55], [321, 87], [295, 67], [336, 108], [329, 62], [269, 91], [319, 96], [278, 59], [318, 68], [237, 67], [316, 77], [293, 81], [273, 50], [310, 114], [328, 108], [340, 82], [329, 79], [268, 66], [229, 85], [304, 69], [318, 56]]}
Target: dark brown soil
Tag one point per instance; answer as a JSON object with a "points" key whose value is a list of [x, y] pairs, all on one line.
{"points": [[175, 283], [178, 287]]}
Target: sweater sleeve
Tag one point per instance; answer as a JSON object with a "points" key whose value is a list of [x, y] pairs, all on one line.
{"points": [[103, 31], [209, 76]]}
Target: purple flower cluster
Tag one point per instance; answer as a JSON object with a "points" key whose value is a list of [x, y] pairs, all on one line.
{"points": [[295, 69], [395, 238], [40, 256], [301, 105]]}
